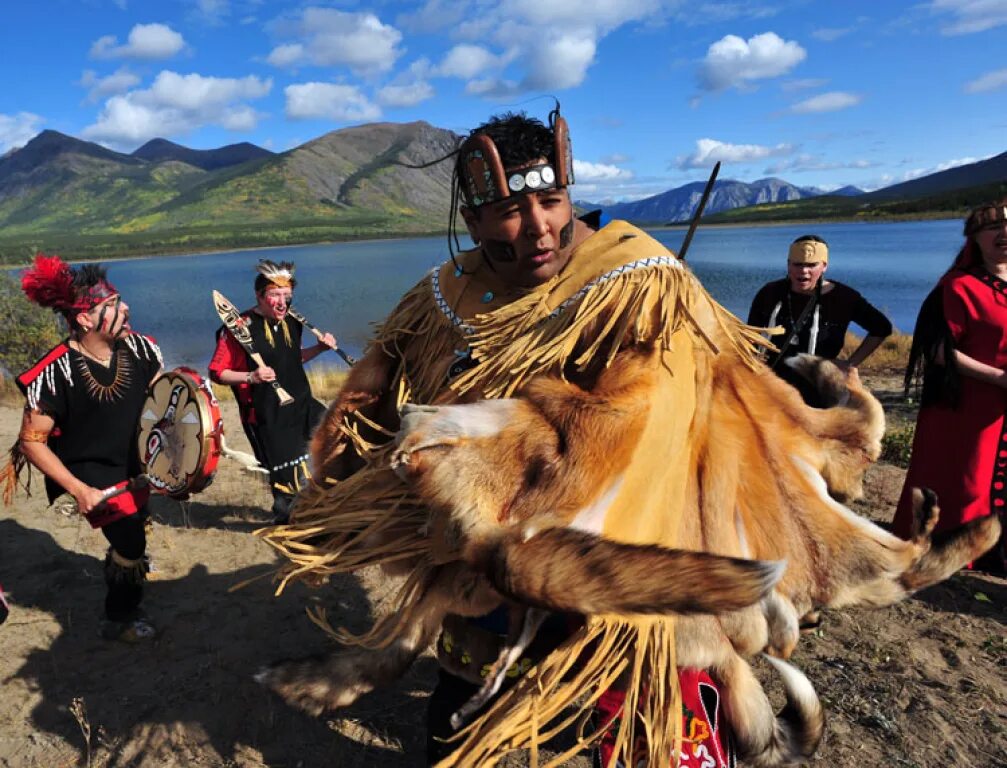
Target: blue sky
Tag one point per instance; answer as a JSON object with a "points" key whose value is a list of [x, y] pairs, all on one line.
{"points": [[818, 93]]}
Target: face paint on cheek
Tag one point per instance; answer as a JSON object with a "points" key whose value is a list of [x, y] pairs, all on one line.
{"points": [[101, 318], [498, 250], [119, 318], [278, 302], [566, 234]]}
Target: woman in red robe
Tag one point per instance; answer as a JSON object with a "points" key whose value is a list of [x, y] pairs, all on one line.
{"points": [[960, 342]]}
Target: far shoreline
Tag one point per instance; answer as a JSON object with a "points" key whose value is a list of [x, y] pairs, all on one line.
{"points": [[944, 216], [210, 251]]}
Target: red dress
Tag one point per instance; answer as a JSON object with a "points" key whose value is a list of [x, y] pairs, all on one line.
{"points": [[961, 452]]}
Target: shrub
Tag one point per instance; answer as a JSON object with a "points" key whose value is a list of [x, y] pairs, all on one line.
{"points": [[27, 331], [897, 445]]}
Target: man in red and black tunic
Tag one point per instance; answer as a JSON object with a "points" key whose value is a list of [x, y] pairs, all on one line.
{"points": [[84, 399], [278, 433]]}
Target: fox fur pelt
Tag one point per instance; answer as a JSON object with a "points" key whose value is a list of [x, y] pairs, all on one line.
{"points": [[678, 495]]}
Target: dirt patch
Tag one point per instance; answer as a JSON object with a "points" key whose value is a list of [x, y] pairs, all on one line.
{"points": [[921, 684]]}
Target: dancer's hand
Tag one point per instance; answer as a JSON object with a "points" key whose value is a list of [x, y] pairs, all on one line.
{"points": [[263, 375], [88, 498]]}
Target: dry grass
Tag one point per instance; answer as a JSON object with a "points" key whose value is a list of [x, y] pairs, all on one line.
{"points": [[326, 381], [9, 393], [891, 357], [325, 384]]}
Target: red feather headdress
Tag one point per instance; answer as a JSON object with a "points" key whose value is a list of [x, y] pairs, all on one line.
{"points": [[53, 283]]}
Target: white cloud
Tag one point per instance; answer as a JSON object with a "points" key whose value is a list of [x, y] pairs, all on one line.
{"points": [[734, 62], [561, 63], [99, 88], [466, 61], [616, 158], [213, 11], [802, 85], [827, 102], [991, 81], [493, 88], [915, 173], [286, 55], [710, 151], [719, 12], [556, 41], [327, 38], [515, 46], [406, 95], [178, 104], [434, 15], [16, 130], [194, 92], [146, 41], [889, 179], [970, 16], [329, 101], [586, 171], [603, 15], [805, 162], [828, 34]]}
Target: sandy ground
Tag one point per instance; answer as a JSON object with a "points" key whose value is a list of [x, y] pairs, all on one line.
{"points": [[920, 684]]}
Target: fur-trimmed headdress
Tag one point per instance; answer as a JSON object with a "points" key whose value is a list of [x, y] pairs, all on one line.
{"points": [[280, 275], [53, 283]]}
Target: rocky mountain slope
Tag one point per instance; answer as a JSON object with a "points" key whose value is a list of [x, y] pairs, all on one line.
{"points": [[57, 184]]}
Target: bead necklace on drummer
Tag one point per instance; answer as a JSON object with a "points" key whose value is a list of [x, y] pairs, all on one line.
{"points": [[83, 403], [278, 433], [815, 314]]}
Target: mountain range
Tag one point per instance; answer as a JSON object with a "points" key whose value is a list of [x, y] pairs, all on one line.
{"points": [[678, 204], [160, 150], [60, 193], [82, 197], [945, 193]]}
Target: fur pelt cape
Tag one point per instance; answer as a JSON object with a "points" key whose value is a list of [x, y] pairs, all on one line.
{"points": [[621, 290]]}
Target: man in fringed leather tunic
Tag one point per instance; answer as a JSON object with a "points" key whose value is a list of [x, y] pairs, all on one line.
{"points": [[84, 399], [541, 293]]}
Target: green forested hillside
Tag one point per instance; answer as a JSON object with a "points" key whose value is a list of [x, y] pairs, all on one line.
{"points": [[63, 195]]}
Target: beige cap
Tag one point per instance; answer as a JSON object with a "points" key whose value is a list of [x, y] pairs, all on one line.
{"points": [[808, 252]]}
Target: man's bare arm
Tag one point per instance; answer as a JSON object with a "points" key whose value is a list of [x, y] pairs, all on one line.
{"points": [[35, 429]]}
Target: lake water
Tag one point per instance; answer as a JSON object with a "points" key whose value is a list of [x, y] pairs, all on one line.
{"points": [[346, 287]]}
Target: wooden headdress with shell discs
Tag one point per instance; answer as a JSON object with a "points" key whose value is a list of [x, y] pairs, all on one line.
{"points": [[483, 178]]}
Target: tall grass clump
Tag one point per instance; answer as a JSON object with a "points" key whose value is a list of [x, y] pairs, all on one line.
{"points": [[891, 357], [325, 381]]}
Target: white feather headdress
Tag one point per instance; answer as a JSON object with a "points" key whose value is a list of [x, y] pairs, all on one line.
{"points": [[281, 275]]}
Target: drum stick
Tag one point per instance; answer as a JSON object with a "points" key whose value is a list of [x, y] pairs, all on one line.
{"points": [[133, 484], [304, 321], [235, 323]]}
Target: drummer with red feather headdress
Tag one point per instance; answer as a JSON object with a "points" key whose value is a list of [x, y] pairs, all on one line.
{"points": [[83, 403]]}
